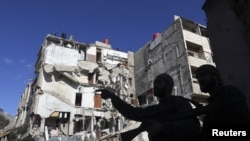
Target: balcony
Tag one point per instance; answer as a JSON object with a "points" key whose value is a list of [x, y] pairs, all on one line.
{"points": [[196, 90]]}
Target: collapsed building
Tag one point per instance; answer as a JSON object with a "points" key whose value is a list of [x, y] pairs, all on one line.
{"points": [[61, 101]]}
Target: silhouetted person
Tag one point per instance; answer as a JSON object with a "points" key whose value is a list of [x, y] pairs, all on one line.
{"points": [[227, 106], [226, 109], [153, 115]]}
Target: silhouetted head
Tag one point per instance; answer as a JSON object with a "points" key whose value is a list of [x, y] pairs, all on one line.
{"points": [[163, 85], [207, 68], [208, 77]]}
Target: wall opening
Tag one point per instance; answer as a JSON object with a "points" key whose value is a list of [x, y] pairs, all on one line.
{"points": [[195, 50], [78, 100], [98, 55]]}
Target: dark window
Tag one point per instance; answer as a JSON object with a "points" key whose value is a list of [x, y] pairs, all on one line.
{"points": [[130, 81], [78, 101], [98, 55]]}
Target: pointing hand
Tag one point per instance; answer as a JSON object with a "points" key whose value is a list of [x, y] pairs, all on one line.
{"points": [[105, 94]]}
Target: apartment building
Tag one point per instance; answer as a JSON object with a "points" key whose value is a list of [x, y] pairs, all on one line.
{"points": [[178, 50], [61, 103]]}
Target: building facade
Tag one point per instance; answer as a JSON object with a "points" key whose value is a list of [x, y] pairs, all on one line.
{"points": [[178, 51], [61, 101]]}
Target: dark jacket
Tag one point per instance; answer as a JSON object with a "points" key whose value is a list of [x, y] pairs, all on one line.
{"points": [[227, 109], [176, 129]]}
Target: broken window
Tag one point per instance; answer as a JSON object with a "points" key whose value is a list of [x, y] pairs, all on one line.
{"points": [[195, 50], [64, 119], [78, 125], [52, 124], [91, 78], [78, 100], [35, 120], [193, 69], [130, 81], [98, 55]]}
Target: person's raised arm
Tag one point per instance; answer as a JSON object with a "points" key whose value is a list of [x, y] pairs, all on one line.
{"points": [[127, 110]]}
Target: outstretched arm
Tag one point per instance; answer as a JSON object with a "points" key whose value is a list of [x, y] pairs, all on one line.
{"points": [[127, 110]]}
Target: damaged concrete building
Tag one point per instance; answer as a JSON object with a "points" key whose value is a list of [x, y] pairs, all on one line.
{"points": [[178, 50], [61, 101]]}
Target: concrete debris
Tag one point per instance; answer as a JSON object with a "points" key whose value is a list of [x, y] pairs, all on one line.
{"points": [[61, 103]]}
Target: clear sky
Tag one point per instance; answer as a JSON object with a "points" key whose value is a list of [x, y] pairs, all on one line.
{"points": [[128, 24]]}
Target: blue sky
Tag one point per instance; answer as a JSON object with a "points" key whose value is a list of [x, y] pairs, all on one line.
{"points": [[128, 24]]}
